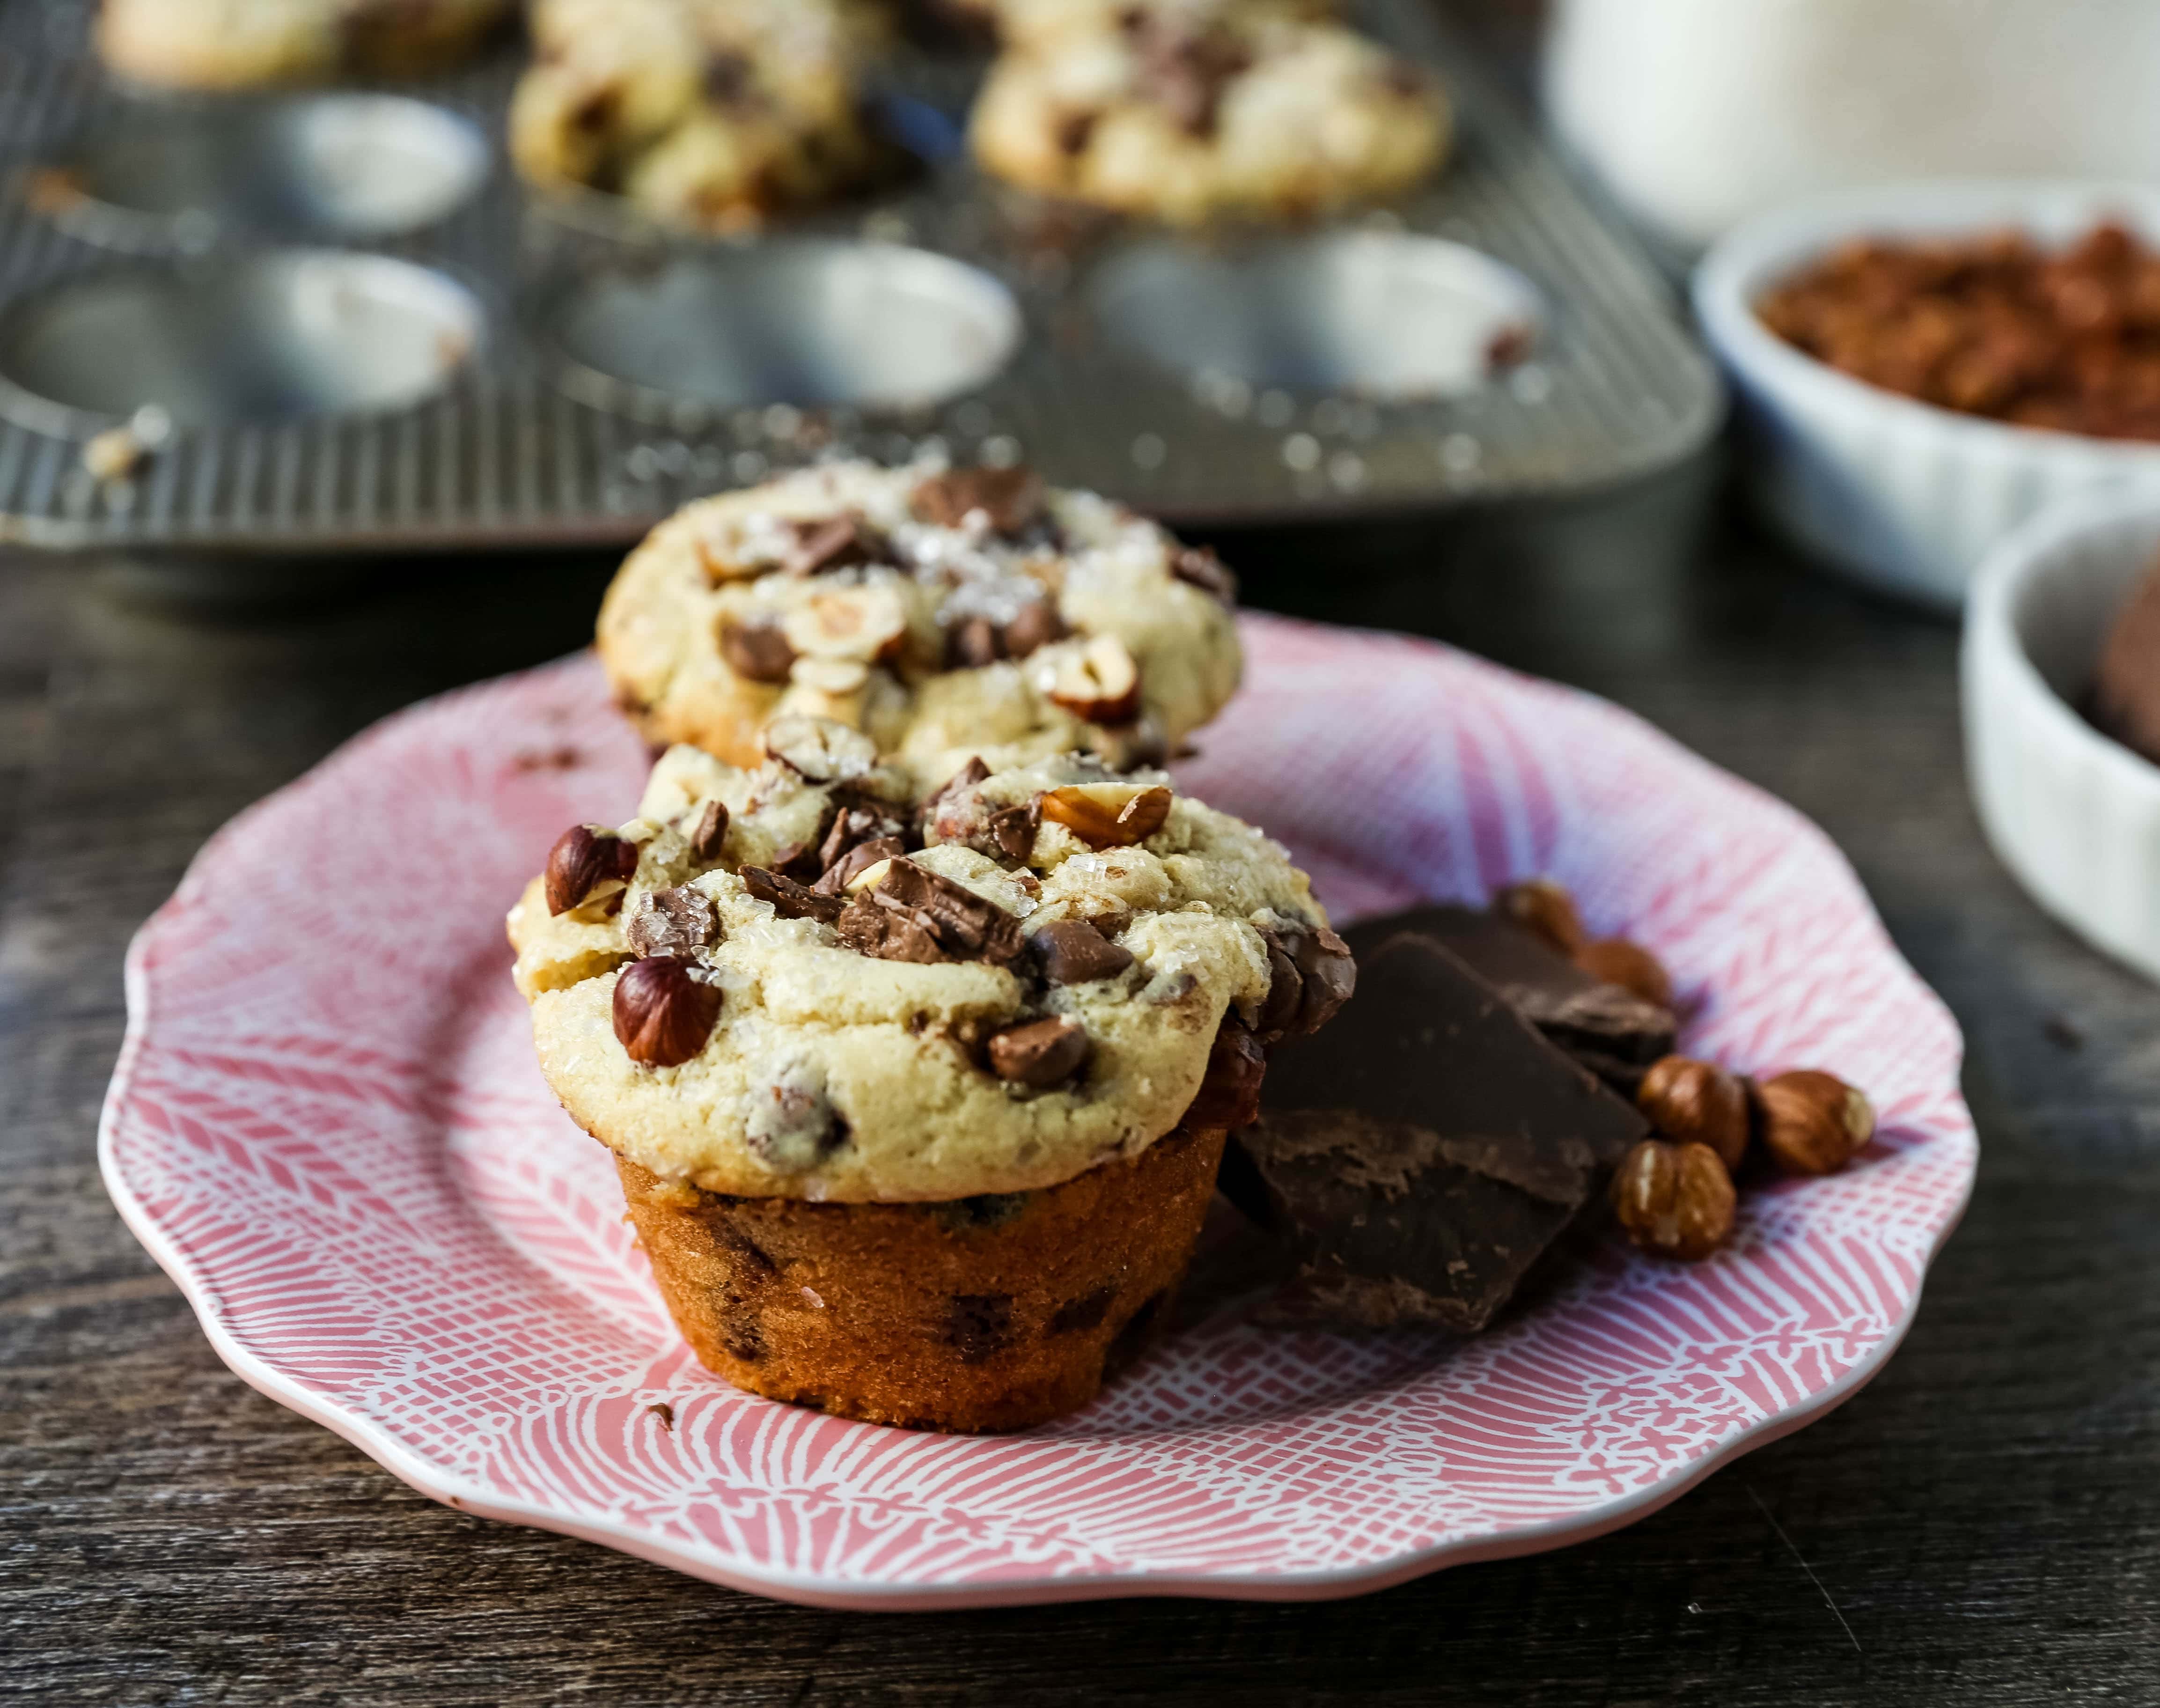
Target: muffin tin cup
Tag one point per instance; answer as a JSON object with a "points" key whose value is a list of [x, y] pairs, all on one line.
{"points": [[606, 369]]}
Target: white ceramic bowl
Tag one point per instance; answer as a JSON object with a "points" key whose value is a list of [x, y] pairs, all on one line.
{"points": [[2074, 816], [1898, 494]]}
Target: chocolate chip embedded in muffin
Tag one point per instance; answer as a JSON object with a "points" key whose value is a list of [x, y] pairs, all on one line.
{"points": [[1074, 952], [915, 914], [755, 651], [709, 834], [1199, 566], [835, 542], [789, 898], [1008, 499], [1039, 1053]]}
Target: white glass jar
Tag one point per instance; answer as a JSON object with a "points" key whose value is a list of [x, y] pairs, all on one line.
{"points": [[1699, 112]]}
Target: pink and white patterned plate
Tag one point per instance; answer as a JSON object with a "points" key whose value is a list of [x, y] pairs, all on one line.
{"points": [[327, 1125]]}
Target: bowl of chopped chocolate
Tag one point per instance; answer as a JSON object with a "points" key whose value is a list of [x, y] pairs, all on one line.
{"points": [[2062, 715], [1921, 368]]}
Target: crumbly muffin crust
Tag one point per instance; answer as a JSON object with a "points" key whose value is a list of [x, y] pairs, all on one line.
{"points": [[867, 987], [1182, 118], [942, 612]]}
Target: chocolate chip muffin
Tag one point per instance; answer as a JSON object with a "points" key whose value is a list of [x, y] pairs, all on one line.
{"points": [[940, 612], [1185, 113], [917, 1086], [707, 115], [244, 44]]}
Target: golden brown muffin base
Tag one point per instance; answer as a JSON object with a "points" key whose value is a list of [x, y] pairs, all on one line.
{"points": [[987, 1313]]}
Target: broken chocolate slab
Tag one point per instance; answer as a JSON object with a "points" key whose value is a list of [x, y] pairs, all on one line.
{"points": [[1421, 1154], [1612, 1031]]}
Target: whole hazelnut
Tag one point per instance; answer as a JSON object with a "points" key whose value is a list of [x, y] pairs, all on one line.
{"points": [[1696, 1103], [1675, 1200], [1541, 905], [586, 858], [662, 1016], [1814, 1123], [1629, 965]]}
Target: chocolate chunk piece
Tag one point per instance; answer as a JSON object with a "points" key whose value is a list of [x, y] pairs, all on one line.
{"points": [[887, 933], [979, 1325], [1013, 829], [710, 831], [1612, 1031], [959, 790], [835, 542], [730, 79], [1039, 1053], [857, 819], [1184, 70], [972, 642], [856, 861], [1229, 1094], [1200, 566], [789, 898], [2126, 696], [1312, 974], [1420, 1154], [1010, 498], [1074, 952], [1074, 129], [758, 652], [673, 923], [915, 914]]}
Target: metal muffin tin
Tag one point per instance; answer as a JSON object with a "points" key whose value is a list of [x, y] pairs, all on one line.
{"points": [[356, 331]]}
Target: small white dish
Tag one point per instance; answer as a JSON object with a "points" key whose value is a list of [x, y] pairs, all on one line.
{"points": [[1898, 494], [2073, 814]]}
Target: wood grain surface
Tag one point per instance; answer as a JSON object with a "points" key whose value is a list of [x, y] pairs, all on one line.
{"points": [[1982, 1524]]}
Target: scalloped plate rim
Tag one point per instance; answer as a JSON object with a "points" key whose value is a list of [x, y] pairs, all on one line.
{"points": [[812, 1588]]}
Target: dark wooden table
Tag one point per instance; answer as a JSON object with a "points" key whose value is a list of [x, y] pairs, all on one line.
{"points": [[1982, 1524]]}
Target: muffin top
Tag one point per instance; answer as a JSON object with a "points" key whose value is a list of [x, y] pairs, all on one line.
{"points": [[711, 115], [1184, 112], [942, 612], [832, 977]]}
